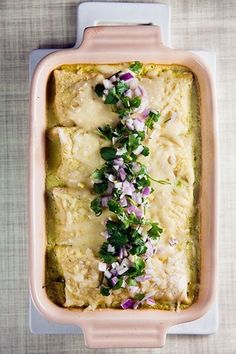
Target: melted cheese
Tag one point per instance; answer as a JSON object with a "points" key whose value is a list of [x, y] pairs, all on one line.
{"points": [[174, 156]]}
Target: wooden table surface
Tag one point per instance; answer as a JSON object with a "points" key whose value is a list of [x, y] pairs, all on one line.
{"points": [[29, 24]]}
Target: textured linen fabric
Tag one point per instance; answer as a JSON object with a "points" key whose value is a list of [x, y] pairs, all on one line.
{"points": [[29, 24]]}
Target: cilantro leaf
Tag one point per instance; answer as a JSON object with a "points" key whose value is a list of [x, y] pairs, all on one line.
{"points": [[100, 188], [151, 119], [136, 102], [108, 153], [99, 88], [106, 132], [106, 256], [137, 269], [136, 67], [121, 87], [145, 151], [155, 231], [112, 97], [118, 235], [118, 284], [104, 291], [96, 206]]}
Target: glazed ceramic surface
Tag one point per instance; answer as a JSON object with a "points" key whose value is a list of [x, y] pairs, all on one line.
{"points": [[115, 327]]}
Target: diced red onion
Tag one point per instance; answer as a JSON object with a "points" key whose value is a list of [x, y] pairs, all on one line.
{"points": [[111, 178], [125, 252], [137, 198], [102, 266], [122, 174], [105, 201], [150, 251], [122, 269], [126, 304], [133, 84], [114, 280], [128, 93], [136, 305], [126, 76], [135, 167], [150, 302], [109, 189], [146, 191], [138, 125], [118, 185], [123, 202], [121, 252], [113, 79], [110, 248], [143, 278], [107, 84], [145, 112], [114, 272], [107, 274], [118, 161], [106, 234], [121, 151], [138, 150], [130, 124], [135, 210], [172, 241], [128, 188], [106, 92], [149, 271], [133, 289], [138, 91]]}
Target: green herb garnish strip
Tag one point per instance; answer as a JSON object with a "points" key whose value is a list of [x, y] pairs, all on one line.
{"points": [[123, 185]]}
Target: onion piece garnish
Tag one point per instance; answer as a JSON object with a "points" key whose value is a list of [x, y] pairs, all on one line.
{"points": [[143, 278], [102, 266], [122, 174], [105, 200], [172, 241], [150, 302], [107, 274], [126, 304], [126, 76], [107, 84], [146, 191], [114, 280], [138, 125], [128, 188]]}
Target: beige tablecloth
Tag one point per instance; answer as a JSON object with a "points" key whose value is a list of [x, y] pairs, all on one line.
{"points": [[26, 25]]}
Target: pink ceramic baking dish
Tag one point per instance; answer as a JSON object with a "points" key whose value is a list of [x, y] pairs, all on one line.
{"points": [[114, 327]]}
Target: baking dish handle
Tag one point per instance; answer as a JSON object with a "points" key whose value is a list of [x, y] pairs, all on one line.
{"points": [[124, 334], [138, 39]]}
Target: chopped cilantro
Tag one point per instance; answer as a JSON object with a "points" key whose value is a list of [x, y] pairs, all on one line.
{"points": [[118, 284], [100, 188], [96, 206], [136, 67], [99, 88], [108, 153], [152, 118], [121, 88], [155, 231], [106, 256], [106, 132], [139, 297], [104, 291]]}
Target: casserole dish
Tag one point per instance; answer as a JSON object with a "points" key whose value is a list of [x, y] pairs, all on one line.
{"points": [[114, 327]]}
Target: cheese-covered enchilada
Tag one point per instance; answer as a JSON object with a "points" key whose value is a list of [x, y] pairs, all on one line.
{"points": [[123, 175]]}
